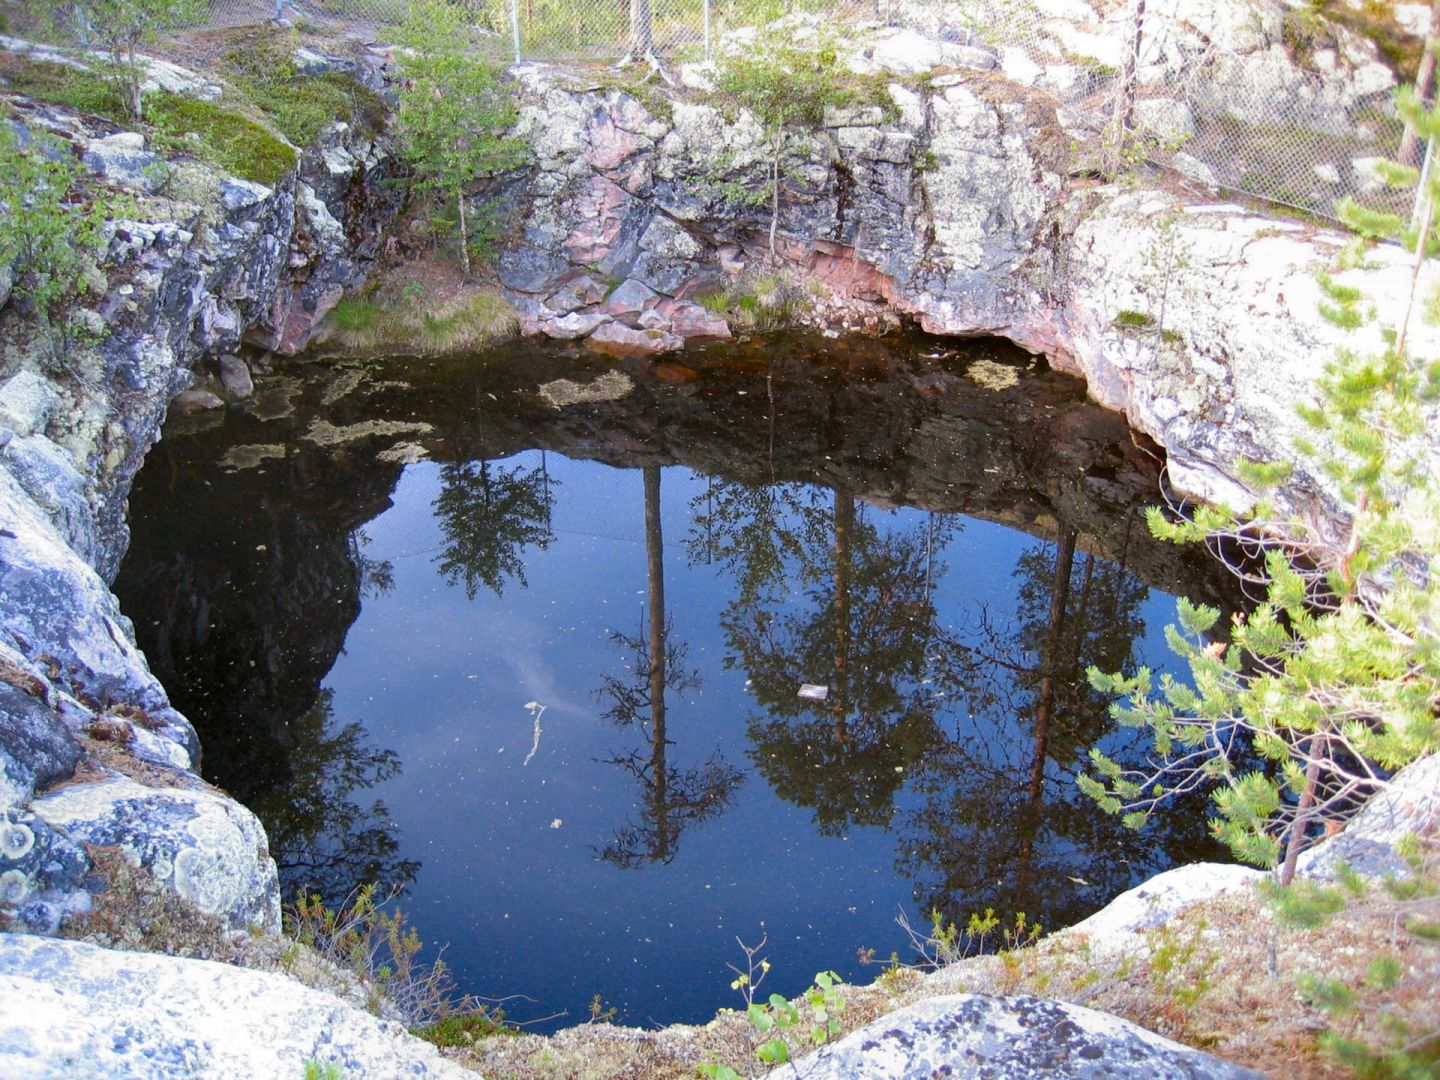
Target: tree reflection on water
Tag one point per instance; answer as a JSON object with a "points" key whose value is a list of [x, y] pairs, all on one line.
{"points": [[963, 738], [670, 798]]}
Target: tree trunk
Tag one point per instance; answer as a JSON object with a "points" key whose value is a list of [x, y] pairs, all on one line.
{"points": [[1125, 98], [1296, 842], [844, 530], [464, 232], [655, 580], [1045, 704]]}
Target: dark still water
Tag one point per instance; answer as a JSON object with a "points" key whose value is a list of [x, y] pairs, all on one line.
{"points": [[415, 611]]}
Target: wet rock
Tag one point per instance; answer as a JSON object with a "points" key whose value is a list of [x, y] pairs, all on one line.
{"points": [[1009, 1038], [630, 298], [196, 399], [693, 321], [92, 1012], [621, 340], [575, 325], [235, 376]]}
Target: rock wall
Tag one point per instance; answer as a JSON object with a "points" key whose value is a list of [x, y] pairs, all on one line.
{"points": [[93, 758], [953, 206]]}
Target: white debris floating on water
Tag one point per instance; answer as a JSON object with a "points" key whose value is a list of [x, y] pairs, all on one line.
{"points": [[812, 692]]}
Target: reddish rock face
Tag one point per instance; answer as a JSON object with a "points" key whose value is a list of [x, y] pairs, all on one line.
{"points": [[693, 321], [618, 340], [601, 212]]}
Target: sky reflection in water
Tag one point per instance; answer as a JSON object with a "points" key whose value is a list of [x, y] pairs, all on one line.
{"points": [[619, 839]]}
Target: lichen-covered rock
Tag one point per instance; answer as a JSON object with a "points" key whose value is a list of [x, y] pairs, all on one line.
{"points": [[1154, 902], [1199, 322], [79, 1012], [1408, 806], [219, 260], [1009, 1038], [207, 847]]}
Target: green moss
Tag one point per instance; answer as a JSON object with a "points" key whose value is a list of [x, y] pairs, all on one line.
{"points": [[261, 69], [1132, 320], [59, 84], [464, 1029], [222, 136]]}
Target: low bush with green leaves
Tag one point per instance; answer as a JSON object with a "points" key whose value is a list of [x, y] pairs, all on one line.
{"points": [[454, 110], [51, 230], [261, 68], [777, 1021]]}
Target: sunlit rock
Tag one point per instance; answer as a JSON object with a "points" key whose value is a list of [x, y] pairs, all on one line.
{"points": [[1009, 1038], [91, 1013]]}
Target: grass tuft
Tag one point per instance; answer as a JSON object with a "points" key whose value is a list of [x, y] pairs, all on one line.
{"points": [[405, 321]]}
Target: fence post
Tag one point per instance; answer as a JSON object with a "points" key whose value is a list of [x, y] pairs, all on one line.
{"points": [[709, 56], [1424, 185], [515, 26]]}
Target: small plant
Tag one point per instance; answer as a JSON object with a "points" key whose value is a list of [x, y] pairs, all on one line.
{"points": [[946, 943], [382, 951], [772, 1019], [51, 230], [315, 1070], [600, 1013], [766, 300], [1133, 320], [122, 27]]}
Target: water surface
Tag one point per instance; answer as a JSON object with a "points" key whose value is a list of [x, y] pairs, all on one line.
{"points": [[415, 609]]}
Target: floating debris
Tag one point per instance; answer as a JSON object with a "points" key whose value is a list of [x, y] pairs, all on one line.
{"points": [[536, 710], [812, 692]]}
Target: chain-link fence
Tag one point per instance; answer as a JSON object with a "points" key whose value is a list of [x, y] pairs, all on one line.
{"points": [[1254, 96]]}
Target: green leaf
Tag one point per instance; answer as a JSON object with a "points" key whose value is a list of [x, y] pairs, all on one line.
{"points": [[773, 1052]]}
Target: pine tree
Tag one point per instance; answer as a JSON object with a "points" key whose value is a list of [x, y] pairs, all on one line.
{"points": [[454, 109], [1333, 680]]}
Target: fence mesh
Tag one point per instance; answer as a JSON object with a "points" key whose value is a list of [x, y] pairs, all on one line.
{"points": [[1270, 101]]}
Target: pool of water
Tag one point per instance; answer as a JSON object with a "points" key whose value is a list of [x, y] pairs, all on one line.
{"points": [[612, 663]]}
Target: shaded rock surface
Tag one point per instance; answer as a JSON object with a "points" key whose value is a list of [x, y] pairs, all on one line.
{"points": [[1009, 1038], [1196, 320], [97, 1013], [189, 278]]}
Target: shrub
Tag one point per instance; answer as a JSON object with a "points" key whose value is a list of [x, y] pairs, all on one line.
{"points": [[454, 109], [51, 231], [122, 26]]}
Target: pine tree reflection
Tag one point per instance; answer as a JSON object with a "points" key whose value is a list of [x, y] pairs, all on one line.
{"points": [[323, 840], [864, 628], [671, 799], [1001, 823], [489, 515]]}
